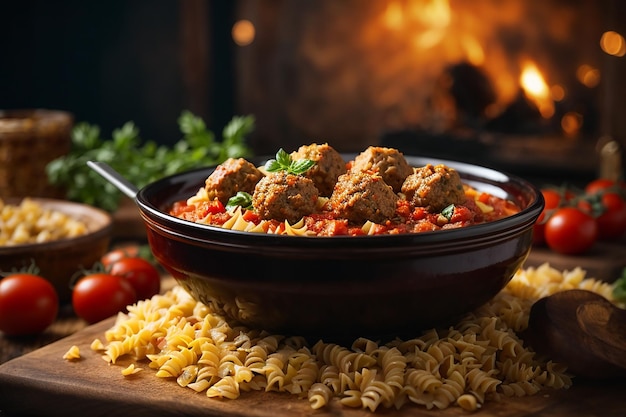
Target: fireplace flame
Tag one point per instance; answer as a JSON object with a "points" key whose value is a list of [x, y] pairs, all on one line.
{"points": [[536, 89], [433, 17]]}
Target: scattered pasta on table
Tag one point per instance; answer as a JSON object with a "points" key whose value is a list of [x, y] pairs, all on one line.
{"points": [[480, 359], [73, 353]]}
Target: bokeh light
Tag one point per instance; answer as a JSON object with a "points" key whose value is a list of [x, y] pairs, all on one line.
{"points": [[243, 32]]}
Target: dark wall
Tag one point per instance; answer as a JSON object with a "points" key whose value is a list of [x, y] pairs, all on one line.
{"points": [[113, 61]]}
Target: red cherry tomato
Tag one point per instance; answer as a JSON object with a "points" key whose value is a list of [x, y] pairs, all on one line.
{"points": [[602, 184], [612, 222], [612, 202], [142, 275], [120, 253], [101, 295], [28, 304], [552, 199], [570, 231]]}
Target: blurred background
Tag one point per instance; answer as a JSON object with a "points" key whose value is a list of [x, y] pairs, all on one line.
{"points": [[536, 87], [115, 61]]}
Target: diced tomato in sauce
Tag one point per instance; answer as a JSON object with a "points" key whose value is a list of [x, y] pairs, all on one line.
{"points": [[479, 208]]}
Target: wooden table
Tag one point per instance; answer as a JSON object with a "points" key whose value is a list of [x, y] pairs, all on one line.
{"points": [[66, 324], [43, 383]]}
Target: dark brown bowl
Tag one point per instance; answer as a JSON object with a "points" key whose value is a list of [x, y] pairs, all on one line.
{"points": [[343, 287]]}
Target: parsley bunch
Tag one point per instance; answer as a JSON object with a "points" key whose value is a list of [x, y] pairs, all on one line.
{"points": [[141, 162]]}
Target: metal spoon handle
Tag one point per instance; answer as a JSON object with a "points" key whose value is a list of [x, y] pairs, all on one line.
{"points": [[114, 178]]}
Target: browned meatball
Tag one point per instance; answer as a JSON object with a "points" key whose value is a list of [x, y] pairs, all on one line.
{"points": [[329, 165], [389, 163], [231, 176], [282, 196], [360, 196], [435, 187]]}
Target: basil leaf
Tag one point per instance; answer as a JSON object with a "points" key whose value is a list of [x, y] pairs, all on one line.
{"points": [[272, 166], [448, 211], [301, 166], [242, 199], [283, 158]]}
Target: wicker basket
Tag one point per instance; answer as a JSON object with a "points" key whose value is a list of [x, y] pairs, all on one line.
{"points": [[29, 140]]}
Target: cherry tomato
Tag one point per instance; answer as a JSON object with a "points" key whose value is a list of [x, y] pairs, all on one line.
{"points": [[142, 275], [101, 295], [120, 253], [612, 222], [602, 184], [552, 200], [570, 231], [28, 304], [612, 198]]}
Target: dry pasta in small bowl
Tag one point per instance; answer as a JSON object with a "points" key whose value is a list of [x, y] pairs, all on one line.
{"points": [[59, 237]]}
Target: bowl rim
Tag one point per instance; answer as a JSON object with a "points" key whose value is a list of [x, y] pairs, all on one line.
{"points": [[104, 225], [470, 173]]}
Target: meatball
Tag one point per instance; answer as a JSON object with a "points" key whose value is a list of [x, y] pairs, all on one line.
{"points": [[389, 163], [435, 187], [360, 196], [282, 196], [231, 176], [329, 165]]}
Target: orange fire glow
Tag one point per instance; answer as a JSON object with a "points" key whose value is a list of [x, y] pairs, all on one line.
{"points": [[536, 89], [405, 63], [439, 34]]}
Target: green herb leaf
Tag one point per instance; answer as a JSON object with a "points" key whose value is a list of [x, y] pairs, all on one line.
{"points": [[301, 166], [619, 289], [139, 161], [283, 162], [448, 211], [283, 158], [242, 199], [273, 165]]}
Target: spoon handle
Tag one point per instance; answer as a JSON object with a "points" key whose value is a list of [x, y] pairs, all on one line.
{"points": [[114, 178]]}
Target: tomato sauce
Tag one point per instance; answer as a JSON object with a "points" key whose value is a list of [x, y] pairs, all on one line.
{"points": [[479, 207]]}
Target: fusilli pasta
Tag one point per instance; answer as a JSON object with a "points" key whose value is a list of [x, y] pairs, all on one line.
{"points": [[481, 358]]}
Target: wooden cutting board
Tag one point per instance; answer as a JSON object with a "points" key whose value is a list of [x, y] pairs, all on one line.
{"points": [[43, 383], [604, 261]]}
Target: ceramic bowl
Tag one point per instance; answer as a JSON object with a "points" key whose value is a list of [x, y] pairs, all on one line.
{"points": [[343, 287], [59, 260]]}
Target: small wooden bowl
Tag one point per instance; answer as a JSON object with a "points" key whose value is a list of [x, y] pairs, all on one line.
{"points": [[59, 260]]}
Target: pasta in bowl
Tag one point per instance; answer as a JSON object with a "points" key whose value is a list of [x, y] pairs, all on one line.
{"points": [[344, 285], [59, 237]]}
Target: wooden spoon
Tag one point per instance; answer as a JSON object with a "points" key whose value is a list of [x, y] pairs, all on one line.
{"points": [[581, 329]]}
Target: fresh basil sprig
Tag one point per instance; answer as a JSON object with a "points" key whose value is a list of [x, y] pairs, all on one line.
{"points": [[242, 199], [283, 162]]}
